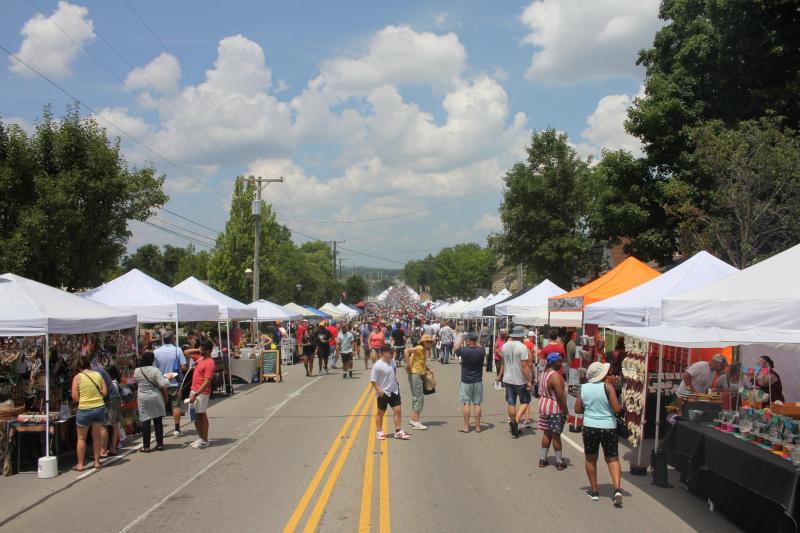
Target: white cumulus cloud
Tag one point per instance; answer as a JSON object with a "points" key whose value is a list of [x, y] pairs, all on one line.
{"points": [[51, 44], [605, 127], [163, 73], [579, 40]]}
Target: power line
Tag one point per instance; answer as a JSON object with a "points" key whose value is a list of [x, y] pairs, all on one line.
{"points": [[401, 215], [189, 220], [217, 107], [91, 110], [178, 234], [212, 239], [124, 83]]}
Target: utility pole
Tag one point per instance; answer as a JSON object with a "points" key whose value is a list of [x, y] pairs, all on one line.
{"points": [[260, 184], [335, 254]]}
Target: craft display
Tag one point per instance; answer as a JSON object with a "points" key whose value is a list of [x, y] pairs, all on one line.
{"points": [[634, 372]]}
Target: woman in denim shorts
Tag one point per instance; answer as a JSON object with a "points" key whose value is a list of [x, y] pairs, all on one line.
{"points": [[89, 390]]}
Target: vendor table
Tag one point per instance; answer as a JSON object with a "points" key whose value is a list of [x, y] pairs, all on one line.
{"points": [[244, 369], [753, 486], [60, 430]]}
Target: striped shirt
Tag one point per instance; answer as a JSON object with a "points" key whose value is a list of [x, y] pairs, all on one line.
{"points": [[548, 403]]}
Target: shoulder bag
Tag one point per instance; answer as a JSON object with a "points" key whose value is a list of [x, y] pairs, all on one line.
{"points": [[622, 428], [106, 400]]}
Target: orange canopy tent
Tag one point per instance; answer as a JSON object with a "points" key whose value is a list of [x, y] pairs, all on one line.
{"points": [[625, 276]]}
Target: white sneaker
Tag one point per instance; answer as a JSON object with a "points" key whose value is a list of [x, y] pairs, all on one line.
{"points": [[200, 444], [177, 434], [417, 425]]}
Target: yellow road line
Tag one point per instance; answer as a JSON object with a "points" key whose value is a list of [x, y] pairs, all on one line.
{"points": [[336, 471], [366, 488], [386, 522], [294, 520]]}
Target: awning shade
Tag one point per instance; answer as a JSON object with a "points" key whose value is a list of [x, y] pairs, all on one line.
{"points": [[229, 309], [268, 312], [151, 300], [529, 301], [29, 308]]}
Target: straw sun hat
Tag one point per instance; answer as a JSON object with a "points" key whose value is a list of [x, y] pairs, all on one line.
{"points": [[597, 371]]}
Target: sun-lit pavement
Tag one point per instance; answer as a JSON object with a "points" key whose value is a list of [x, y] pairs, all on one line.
{"points": [[301, 455]]}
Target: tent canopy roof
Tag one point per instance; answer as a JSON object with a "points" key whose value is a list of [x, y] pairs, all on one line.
{"points": [[300, 310], [625, 276], [151, 300], [30, 308], [334, 311], [642, 305], [268, 311], [317, 312], [765, 295], [529, 300], [229, 309]]}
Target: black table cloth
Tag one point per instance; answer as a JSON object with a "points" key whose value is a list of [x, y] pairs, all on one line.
{"points": [[756, 488]]}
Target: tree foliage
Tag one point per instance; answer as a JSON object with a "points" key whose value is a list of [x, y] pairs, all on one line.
{"points": [[754, 201], [283, 265], [66, 196], [462, 271], [170, 266], [419, 274], [546, 209], [356, 289]]}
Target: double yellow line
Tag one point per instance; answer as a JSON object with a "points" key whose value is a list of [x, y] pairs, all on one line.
{"points": [[359, 415]]}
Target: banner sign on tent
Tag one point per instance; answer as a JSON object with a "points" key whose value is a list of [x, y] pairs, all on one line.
{"points": [[566, 304]]}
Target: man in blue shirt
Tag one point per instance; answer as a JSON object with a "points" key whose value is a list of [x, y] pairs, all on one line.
{"points": [[170, 359]]}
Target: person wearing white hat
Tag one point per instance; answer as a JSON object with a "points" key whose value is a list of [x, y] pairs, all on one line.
{"points": [[599, 405]]}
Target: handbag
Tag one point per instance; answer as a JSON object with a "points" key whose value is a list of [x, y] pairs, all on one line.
{"points": [[428, 383], [622, 427]]}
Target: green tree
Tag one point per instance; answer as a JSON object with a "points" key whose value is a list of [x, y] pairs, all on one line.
{"points": [[419, 273], [66, 196], [629, 208], [546, 208], [462, 271], [233, 253], [355, 287], [170, 266], [754, 203], [148, 259], [192, 263]]}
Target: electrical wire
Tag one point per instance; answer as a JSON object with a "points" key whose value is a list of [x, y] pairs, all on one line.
{"points": [[178, 234], [104, 119], [125, 84], [211, 239]]}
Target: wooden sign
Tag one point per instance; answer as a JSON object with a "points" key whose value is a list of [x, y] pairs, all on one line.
{"points": [[271, 365]]}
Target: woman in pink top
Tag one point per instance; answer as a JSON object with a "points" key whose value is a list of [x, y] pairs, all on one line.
{"points": [[502, 337]]}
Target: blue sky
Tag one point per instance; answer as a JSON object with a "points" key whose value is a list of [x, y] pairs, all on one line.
{"points": [[370, 110]]}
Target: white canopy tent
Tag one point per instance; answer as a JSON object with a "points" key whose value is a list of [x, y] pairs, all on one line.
{"points": [[300, 310], [411, 292], [335, 312], [477, 310], [29, 308], [529, 303], [151, 300], [556, 319], [765, 296], [349, 311], [641, 306], [455, 310], [475, 306], [229, 309], [268, 312]]}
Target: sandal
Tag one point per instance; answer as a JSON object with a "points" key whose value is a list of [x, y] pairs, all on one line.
{"points": [[76, 469]]}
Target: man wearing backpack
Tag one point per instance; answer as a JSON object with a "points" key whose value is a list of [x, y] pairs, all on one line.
{"points": [[171, 359]]}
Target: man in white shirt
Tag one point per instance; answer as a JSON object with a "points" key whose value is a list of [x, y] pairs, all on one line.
{"points": [[515, 372], [700, 375], [344, 343], [383, 379]]}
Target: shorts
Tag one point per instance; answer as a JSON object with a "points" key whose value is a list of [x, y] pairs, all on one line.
{"points": [[201, 403], [385, 401], [554, 423], [347, 357], [517, 391], [417, 385], [594, 437], [173, 399], [471, 393], [87, 417], [114, 413]]}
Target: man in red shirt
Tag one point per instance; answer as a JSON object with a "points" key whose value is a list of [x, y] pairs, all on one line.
{"points": [[201, 391], [554, 346], [334, 334]]}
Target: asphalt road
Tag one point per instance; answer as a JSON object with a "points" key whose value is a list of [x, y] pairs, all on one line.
{"points": [[302, 456]]}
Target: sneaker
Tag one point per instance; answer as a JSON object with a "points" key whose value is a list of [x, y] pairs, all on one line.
{"points": [[350, 374], [561, 466], [195, 443], [542, 463], [380, 436], [402, 435], [200, 444], [526, 424], [514, 429], [344, 375], [617, 498], [417, 425], [594, 496], [177, 434]]}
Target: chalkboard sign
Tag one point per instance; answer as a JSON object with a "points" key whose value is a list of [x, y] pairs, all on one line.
{"points": [[271, 365]]}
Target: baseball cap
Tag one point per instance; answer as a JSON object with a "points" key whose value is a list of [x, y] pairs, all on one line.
{"points": [[517, 332], [553, 357], [719, 358], [472, 336]]}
